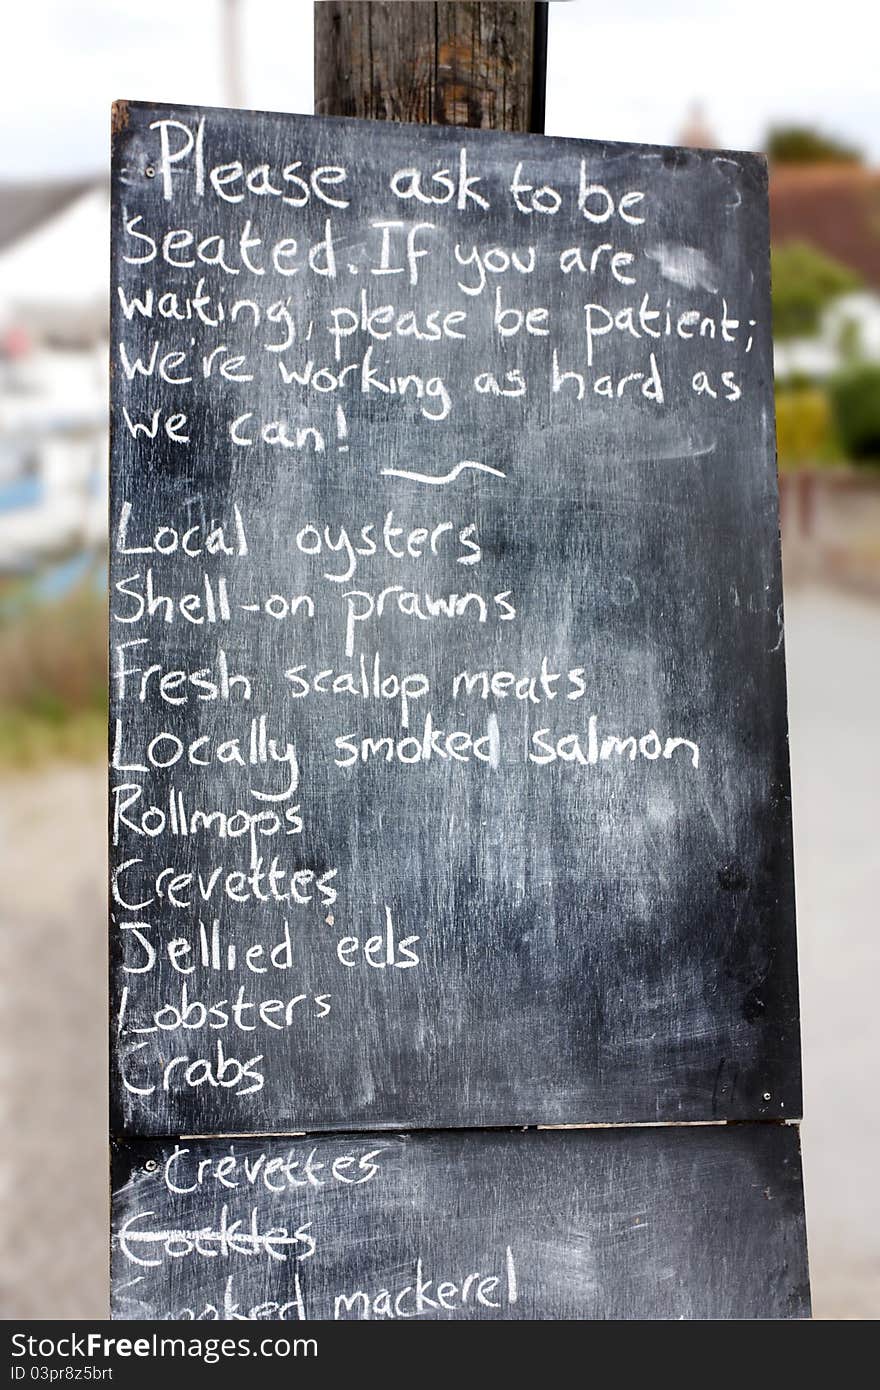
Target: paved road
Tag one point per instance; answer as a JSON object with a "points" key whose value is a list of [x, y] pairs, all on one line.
{"points": [[833, 649], [53, 1007], [52, 990]]}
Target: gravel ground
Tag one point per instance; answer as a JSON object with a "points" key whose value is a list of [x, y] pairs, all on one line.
{"points": [[53, 1187]]}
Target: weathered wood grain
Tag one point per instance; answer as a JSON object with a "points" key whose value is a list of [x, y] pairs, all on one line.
{"points": [[479, 65]]}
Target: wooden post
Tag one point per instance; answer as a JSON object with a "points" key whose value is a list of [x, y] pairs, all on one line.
{"points": [[463, 64]]}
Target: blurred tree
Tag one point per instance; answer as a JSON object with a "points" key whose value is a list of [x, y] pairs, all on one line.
{"points": [[855, 396], [804, 282], [795, 144]]}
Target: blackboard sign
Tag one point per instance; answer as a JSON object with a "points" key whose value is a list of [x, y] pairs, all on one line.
{"points": [[678, 1223], [449, 778]]}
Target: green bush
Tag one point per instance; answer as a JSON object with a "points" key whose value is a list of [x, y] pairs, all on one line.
{"points": [[805, 281], [855, 397], [53, 679], [803, 425]]}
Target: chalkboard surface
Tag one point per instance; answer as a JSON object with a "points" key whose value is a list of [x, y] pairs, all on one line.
{"points": [[449, 778], [676, 1223]]}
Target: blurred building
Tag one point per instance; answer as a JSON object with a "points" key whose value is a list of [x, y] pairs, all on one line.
{"points": [[54, 240], [849, 327], [697, 133], [835, 208]]}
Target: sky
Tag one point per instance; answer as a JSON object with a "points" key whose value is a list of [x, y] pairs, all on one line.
{"points": [[617, 69]]}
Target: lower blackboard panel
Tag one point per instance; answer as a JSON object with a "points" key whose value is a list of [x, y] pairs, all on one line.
{"points": [[615, 1223]]}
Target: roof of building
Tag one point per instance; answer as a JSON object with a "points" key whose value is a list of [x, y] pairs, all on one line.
{"points": [[834, 207], [61, 264], [26, 206]]}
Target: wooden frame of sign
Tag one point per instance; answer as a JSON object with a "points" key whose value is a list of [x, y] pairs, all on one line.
{"points": [[449, 775]]}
